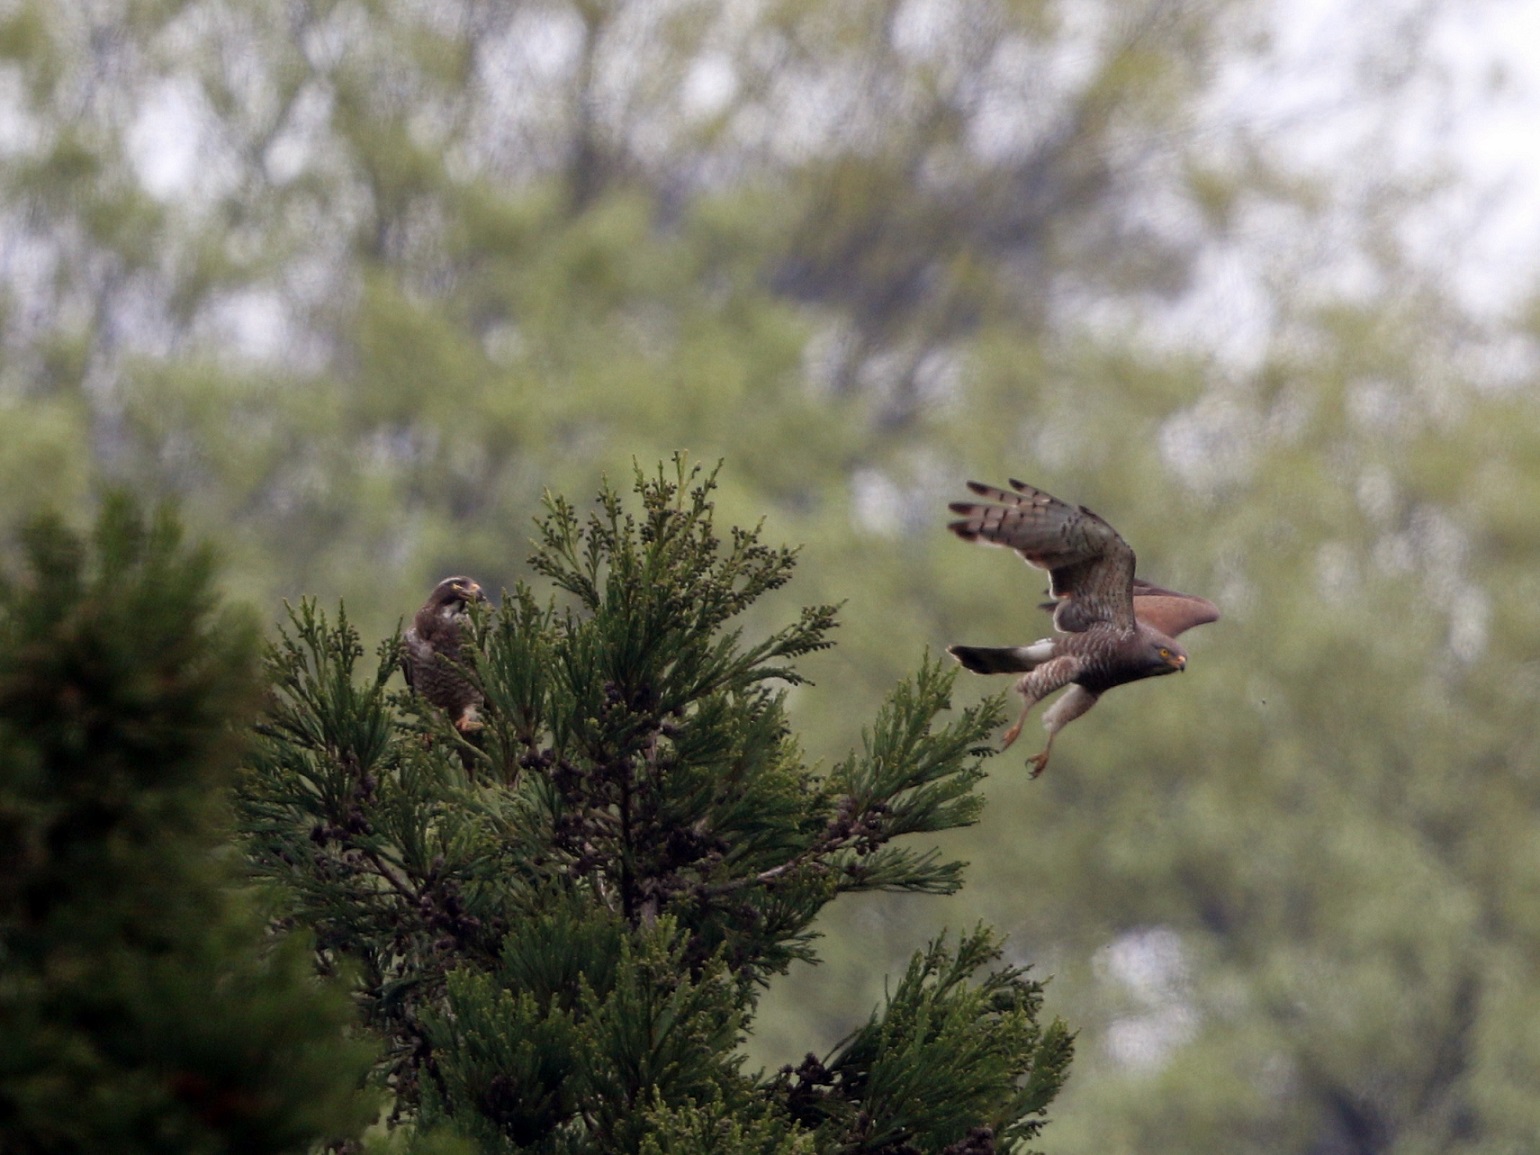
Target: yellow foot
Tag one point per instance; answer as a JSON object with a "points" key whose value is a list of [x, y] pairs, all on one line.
{"points": [[1039, 763], [1010, 736]]}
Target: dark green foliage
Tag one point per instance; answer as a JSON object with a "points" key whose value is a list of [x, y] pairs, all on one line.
{"points": [[139, 1010], [947, 1059], [562, 923], [636, 1025]]}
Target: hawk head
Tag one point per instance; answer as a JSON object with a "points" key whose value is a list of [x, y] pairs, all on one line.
{"points": [[453, 593], [1156, 654]]}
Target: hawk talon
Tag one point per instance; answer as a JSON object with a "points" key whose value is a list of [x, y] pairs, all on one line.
{"points": [[1039, 763]]}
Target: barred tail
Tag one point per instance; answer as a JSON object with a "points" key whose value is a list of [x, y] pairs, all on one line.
{"points": [[1002, 660]]}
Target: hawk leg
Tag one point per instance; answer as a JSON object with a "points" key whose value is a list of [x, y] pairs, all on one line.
{"points": [[1037, 685], [1075, 702], [1015, 731]]}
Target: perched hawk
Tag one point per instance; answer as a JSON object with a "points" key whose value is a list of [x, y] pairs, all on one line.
{"points": [[1113, 627], [430, 656]]}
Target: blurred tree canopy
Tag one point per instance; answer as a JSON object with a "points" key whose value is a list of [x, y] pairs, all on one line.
{"points": [[358, 280]]}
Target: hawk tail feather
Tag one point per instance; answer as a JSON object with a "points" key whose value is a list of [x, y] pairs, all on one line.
{"points": [[1002, 659]]}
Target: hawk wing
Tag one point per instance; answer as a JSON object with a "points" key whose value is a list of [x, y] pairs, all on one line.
{"points": [[1090, 566], [1171, 612], [414, 653], [431, 663]]}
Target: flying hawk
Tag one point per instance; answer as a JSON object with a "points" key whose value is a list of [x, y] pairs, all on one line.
{"points": [[1113, 627], [430, 656]]}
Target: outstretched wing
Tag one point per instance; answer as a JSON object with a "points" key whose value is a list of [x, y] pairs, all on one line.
{"points": [[1090, 567], [1171, 612]]}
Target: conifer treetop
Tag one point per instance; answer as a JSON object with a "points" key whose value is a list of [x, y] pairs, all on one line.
{"points": [[562, 921]]}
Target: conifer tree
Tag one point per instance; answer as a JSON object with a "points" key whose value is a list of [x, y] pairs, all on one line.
{"points": [[142, 1007], [561, 923]]}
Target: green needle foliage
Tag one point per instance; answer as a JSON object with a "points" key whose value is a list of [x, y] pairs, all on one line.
{"points": [[561, 923], [923, 1072], [142, 1007]]}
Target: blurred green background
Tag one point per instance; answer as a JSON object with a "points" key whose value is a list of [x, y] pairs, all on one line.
{"points": [[355, 281]]}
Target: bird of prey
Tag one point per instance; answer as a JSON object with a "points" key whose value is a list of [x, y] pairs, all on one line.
{"points": [[430, 656], [1113, 627]]}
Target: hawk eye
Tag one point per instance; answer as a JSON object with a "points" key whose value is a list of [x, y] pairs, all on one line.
{"points": [[1165, 653]]}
